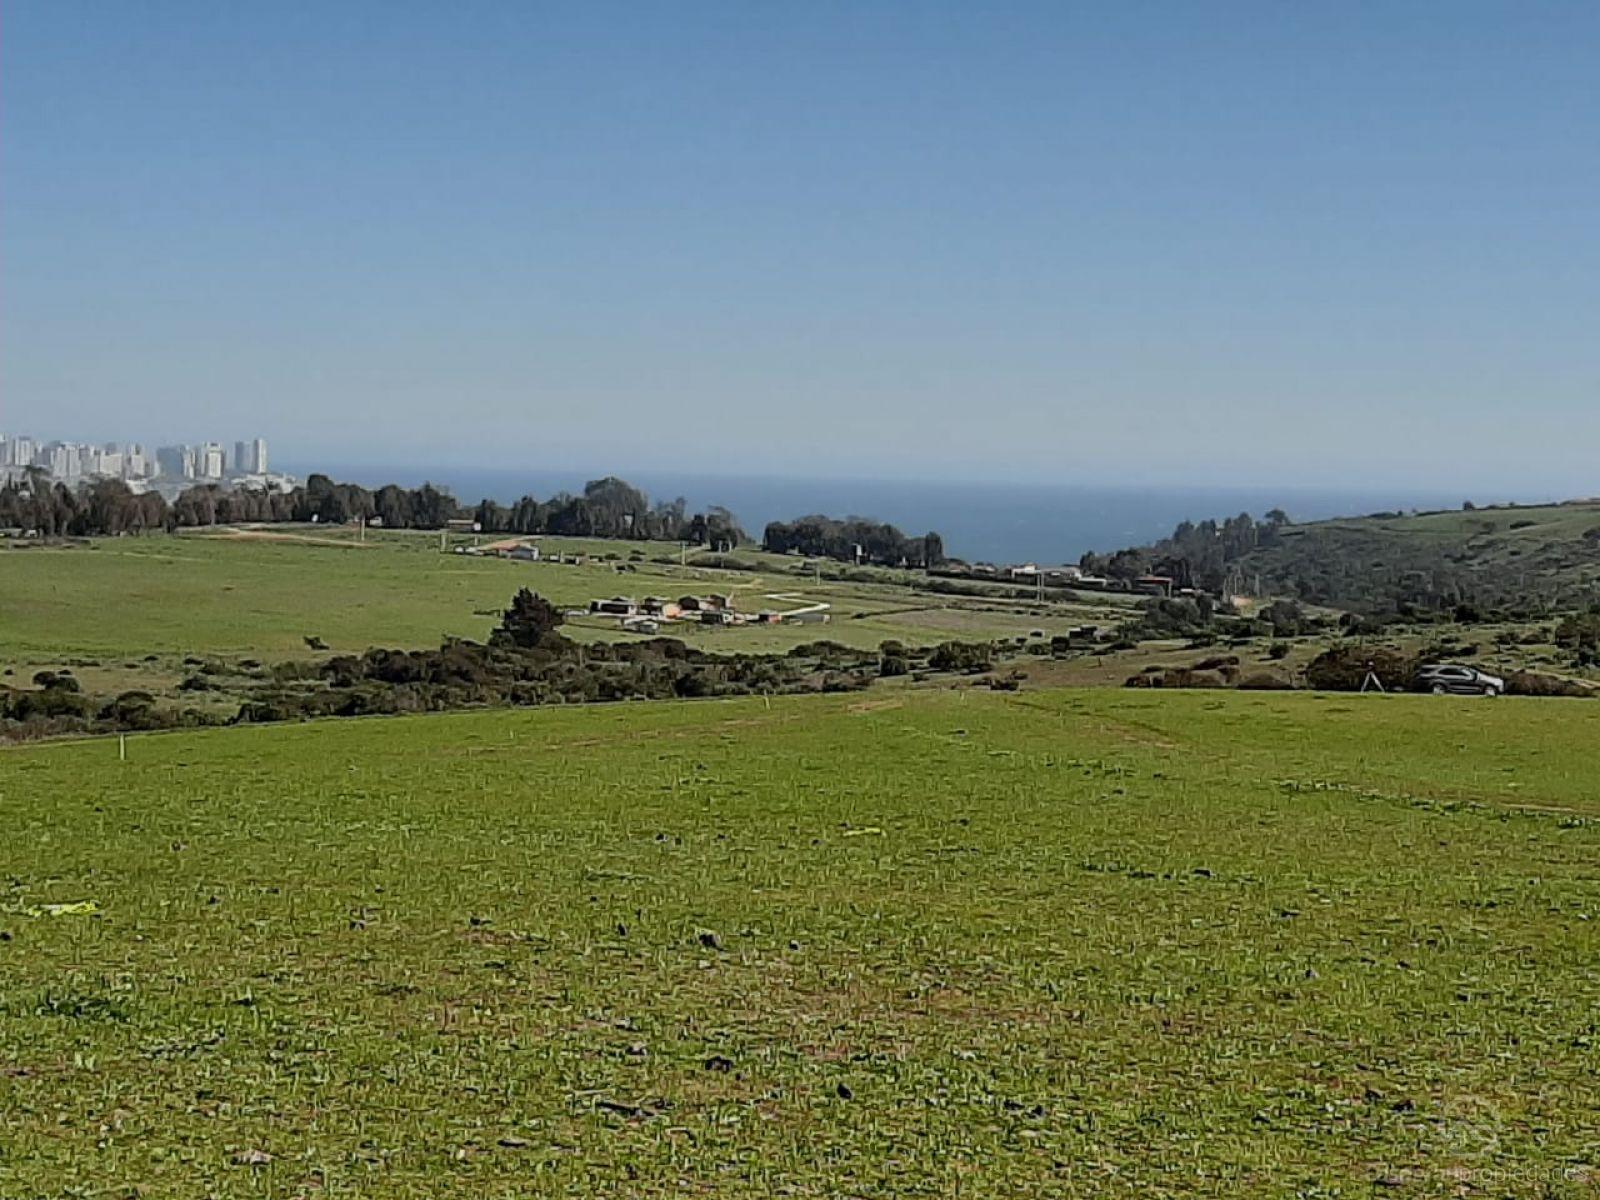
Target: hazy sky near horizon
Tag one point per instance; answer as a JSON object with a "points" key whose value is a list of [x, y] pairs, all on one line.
{"points": [[1195, 242]]}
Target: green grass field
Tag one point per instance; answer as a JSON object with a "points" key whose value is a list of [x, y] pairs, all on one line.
{"points": [[260, 595], [928, 943]]}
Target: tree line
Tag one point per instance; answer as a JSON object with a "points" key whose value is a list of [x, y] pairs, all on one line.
{"points": [[851, 540], [607, 508], [1196, 554]]}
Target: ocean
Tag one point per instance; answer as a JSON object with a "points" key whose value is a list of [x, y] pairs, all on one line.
{"points": [[997, 522]]}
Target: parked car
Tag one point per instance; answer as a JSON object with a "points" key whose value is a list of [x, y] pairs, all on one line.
{"points": [[1447, 679]]}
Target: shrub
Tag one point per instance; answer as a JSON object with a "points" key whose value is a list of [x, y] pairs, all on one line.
{"points": [[45, 704], [1265, 681], [1531, 683], [1285, 617], [1580, 631], [821, 649], [970, 657], [1344, 668], [57, 681], [1178, 677], [133, 710], [1160, 617], [530, 619]]}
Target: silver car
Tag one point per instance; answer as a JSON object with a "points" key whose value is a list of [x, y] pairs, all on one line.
{"points": [[1452, 679]]}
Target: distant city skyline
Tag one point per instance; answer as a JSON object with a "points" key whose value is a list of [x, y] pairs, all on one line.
{"points": [[72, 461]]}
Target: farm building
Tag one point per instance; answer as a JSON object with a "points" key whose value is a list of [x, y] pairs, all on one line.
{"points": [[617, 606], [713, 602]]}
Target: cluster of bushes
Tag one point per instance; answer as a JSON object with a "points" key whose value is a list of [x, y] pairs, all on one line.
{"points": [[968, 658], [1179, 677], [1532, 683], [1177, 617], [1217, 672], [56, 706], [1344, 668], [527, 661], [1196, 618], [1579, 634]]}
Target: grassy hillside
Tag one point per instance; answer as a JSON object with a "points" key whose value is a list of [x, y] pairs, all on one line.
{"points": [[1532, 560], [937, 943]]}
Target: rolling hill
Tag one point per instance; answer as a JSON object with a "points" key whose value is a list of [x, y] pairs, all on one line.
{"points": [[1525, 561]]}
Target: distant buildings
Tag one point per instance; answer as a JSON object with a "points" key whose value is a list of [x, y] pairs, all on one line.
{"points": [[169, 469], [175, 462], [717, 609], [250, 458], [211, 462]]}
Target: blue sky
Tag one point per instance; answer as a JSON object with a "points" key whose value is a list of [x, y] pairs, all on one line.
{"points": [[1262, 243]]}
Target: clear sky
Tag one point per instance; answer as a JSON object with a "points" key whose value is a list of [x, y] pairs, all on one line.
{"points": [[1273, 242]]}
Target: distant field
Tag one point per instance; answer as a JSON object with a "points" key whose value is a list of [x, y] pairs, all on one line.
{"points": [[920, 943], [261, 593], [1528, 523]]}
